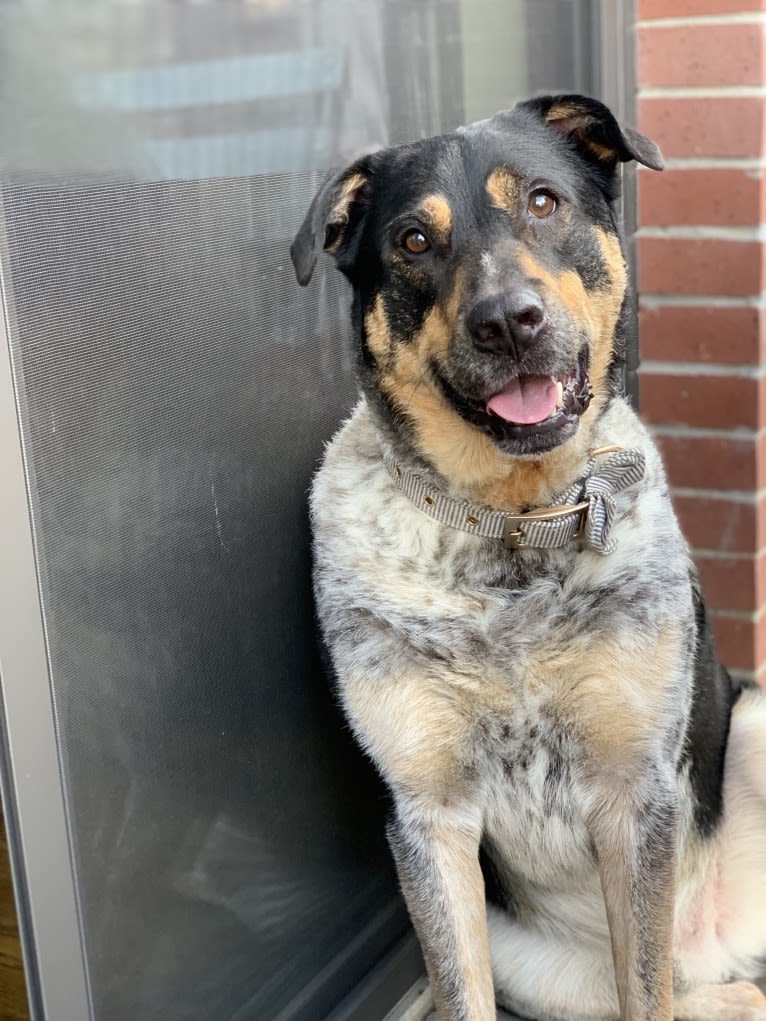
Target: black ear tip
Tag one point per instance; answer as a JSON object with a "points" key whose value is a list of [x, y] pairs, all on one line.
{"points": [[303, 260], [654, 159], [644, 150], [304, 279]]}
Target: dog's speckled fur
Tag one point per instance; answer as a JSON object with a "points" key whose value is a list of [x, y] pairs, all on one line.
{"points": [[562, 711]]}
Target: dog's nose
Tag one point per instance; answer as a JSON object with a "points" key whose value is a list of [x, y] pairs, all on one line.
{"points": [[507, 324]]}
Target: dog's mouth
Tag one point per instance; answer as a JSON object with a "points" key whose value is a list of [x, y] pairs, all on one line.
{"points": [[538, 402], [531, 413]]}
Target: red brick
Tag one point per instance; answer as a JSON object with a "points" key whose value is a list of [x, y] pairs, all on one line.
{"points": [[709, 462], [689, 8], [712, 197], [698, 55], [707, 266], [705, 402], [727, 526], [739, 640], [694, 333], [729, 583], [728, 127]]}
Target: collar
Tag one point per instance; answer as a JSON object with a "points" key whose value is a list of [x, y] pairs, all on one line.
{"points": [[584, 511]]}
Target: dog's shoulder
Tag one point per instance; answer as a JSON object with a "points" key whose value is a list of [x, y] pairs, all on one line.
{"points": [[374, 552], [354, 505]]}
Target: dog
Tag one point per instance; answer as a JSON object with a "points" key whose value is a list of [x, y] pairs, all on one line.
{"points": [[517, 631]]}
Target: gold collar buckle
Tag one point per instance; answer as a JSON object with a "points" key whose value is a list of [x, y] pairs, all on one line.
{"points": [[515, 535]]}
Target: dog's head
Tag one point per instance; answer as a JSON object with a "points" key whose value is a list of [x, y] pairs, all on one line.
{"points": [[488, 275]]}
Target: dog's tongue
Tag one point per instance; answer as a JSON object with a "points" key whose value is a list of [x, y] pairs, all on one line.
{"points": [[526, 400]]}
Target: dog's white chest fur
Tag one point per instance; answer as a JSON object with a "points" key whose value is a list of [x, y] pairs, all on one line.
{"points": [[399, 594]]}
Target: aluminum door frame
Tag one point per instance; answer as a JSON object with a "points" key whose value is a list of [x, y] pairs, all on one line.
{"points": [[616, 49], [30, 778]]}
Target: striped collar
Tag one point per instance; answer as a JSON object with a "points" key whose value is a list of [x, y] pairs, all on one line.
{"points": [[584, 511]]}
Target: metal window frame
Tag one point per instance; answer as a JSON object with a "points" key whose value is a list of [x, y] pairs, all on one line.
{"points": [[31, 784], [616, 47]]}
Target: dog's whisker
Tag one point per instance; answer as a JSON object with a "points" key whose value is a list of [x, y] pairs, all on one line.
{"points": [[420, 381]]}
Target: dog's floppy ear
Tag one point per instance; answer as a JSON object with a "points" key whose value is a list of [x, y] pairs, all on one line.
{"points": [[334, 217], [594, 131]]}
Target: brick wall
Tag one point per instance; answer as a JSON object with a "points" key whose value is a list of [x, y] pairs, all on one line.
{"points": [[701, 280]]}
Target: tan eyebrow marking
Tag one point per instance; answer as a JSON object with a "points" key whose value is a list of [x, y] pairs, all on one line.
{"points": [[437, 210], [504, 189]]}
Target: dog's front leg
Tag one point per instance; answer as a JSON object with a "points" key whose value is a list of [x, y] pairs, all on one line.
{"points": [[633, 826], [436, 850]]}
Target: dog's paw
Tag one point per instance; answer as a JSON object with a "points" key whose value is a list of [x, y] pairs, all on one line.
{"points": [[738, 1001]]}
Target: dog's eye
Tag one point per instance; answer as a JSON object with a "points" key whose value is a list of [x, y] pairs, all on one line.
{"points": [[542, 204], [416, 242]]}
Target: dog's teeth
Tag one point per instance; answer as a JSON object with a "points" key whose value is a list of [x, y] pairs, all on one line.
{"points": [[559, 393]]}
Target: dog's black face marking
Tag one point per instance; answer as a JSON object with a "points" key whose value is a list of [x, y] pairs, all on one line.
{"points": [[486, 247], [487, 272]]}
